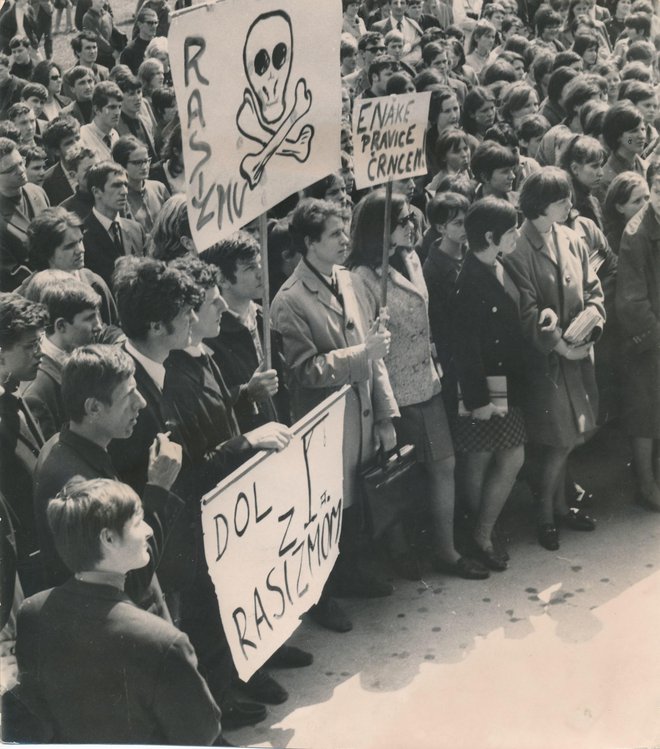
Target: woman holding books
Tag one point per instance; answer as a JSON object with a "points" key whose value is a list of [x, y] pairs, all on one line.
{"points": [[488, 350], [551, 269]]}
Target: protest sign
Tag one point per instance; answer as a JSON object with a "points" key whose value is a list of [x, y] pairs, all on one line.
{"points": [[389, 135], [271, 535], [259, 97]]}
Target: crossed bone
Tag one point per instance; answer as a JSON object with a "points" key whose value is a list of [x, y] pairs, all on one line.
{"points": [[253, 164]]}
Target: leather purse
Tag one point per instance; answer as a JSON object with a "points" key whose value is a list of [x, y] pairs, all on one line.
{"points": [[387, 484]]}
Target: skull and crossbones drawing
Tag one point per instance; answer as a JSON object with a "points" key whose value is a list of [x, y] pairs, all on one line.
{"points": [[264, 115]]}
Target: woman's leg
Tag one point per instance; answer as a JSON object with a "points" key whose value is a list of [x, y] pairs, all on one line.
{"points": [[58, 21], [441, 485], [647, 469], [550, 464], [473, 466], [502, 468]]}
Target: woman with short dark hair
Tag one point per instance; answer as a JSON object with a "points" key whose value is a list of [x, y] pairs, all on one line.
{"points": [[552, 271]]}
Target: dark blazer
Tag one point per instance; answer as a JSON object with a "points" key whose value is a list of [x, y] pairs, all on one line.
{"points": [[235, 355], [74, 110], [44, 397], [66, 455], [80, 203], [100, 250], [99, 669], [486, 334], [10, 93], [13, 235], [130, 456], [56, 185]]}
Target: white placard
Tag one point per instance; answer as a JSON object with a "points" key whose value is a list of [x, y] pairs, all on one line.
{"points": [[259, 95], [271, 535]]}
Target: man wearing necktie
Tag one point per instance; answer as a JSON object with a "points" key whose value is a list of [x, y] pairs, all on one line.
{"points": [[107, 235], [21, 325], [397, 20], [101, 133]]}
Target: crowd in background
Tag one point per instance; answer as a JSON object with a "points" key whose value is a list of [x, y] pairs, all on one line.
{"points": [[523, 316]]}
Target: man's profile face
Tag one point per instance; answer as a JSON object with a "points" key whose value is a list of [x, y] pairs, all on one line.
{"points": [[36, 171], [27, 126], [22, 359], [331, 247], [119, 417], [148, 26], [66, 144], [12, 173], [82, 329], [132, 102]]}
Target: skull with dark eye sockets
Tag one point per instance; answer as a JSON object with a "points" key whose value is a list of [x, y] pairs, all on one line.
{"points": [[267, 60]]}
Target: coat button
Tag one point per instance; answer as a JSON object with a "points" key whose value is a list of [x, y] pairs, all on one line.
{"points": [[497, 340], [499, 363], [366, 413], [349, 324], [494, 309]]}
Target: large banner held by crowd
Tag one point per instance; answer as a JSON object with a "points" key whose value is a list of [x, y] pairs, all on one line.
{"points": [[389, 137], [271, 535], [260, 105]]}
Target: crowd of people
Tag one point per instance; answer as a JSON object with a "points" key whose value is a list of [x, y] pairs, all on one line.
{"points": [[523, 315]]}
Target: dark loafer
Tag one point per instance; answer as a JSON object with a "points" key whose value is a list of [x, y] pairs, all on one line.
{"points": [[548, 536], [490, 559], [328, 614], [262, 687], [289, 656], [236, 714], [577, 520], [463, 567]]}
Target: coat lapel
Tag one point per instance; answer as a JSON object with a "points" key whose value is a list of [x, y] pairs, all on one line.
{"points": [[324, 295]]}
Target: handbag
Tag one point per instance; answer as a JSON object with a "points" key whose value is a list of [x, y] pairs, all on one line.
{"points": [[386, 485]]}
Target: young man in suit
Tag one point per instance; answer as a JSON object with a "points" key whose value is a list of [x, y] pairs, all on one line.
{"points": [[102, 404], [73, 309], [86, 50], [20, 202], [131, 676], [78, 162], [59, 137], [397, 20], [106, 235]]}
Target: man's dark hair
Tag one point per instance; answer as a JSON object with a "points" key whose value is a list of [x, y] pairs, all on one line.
{"points": [[369, 39], [638, 22], [104, 92], [19, 317], [565, 59], [127, 82], [559, 79], [308, 221], [6, 147], [124, 147], [99, 173], [228, 253], [78, 72], [93, 371], [200, 269], [46, 232], [545, 17], [78, 39], [382, 62], [62, 127], [148, 291], [34, 89], [18, 110], [32, 153], [68, 299]]}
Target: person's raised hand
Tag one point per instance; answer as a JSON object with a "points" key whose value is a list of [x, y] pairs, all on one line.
{"points": [[164, 461]]}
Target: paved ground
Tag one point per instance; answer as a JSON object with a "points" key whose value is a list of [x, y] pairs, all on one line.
{"points": [[561, 650]]}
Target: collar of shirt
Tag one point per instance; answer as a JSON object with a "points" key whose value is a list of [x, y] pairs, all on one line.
{"points": [[96, 130], [105, 222], [199, 349], [48, 348], [154, 369], [249, 319]]}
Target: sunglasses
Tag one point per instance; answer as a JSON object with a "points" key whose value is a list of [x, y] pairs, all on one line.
{"points": [[375, 50], [56, 77], [403, 221]]}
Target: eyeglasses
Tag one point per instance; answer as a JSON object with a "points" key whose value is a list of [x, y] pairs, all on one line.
{"points": [[409, 218], [19, 45], [56, 77], [140, 162], [375, 50], [150, 23]]}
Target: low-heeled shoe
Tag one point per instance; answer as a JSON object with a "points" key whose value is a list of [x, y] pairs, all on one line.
{"points": [[463, 567], [262, 687], [548, 536], [328, 614], [490, 559], [577, 520], [237, 714], [289, 656]]}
